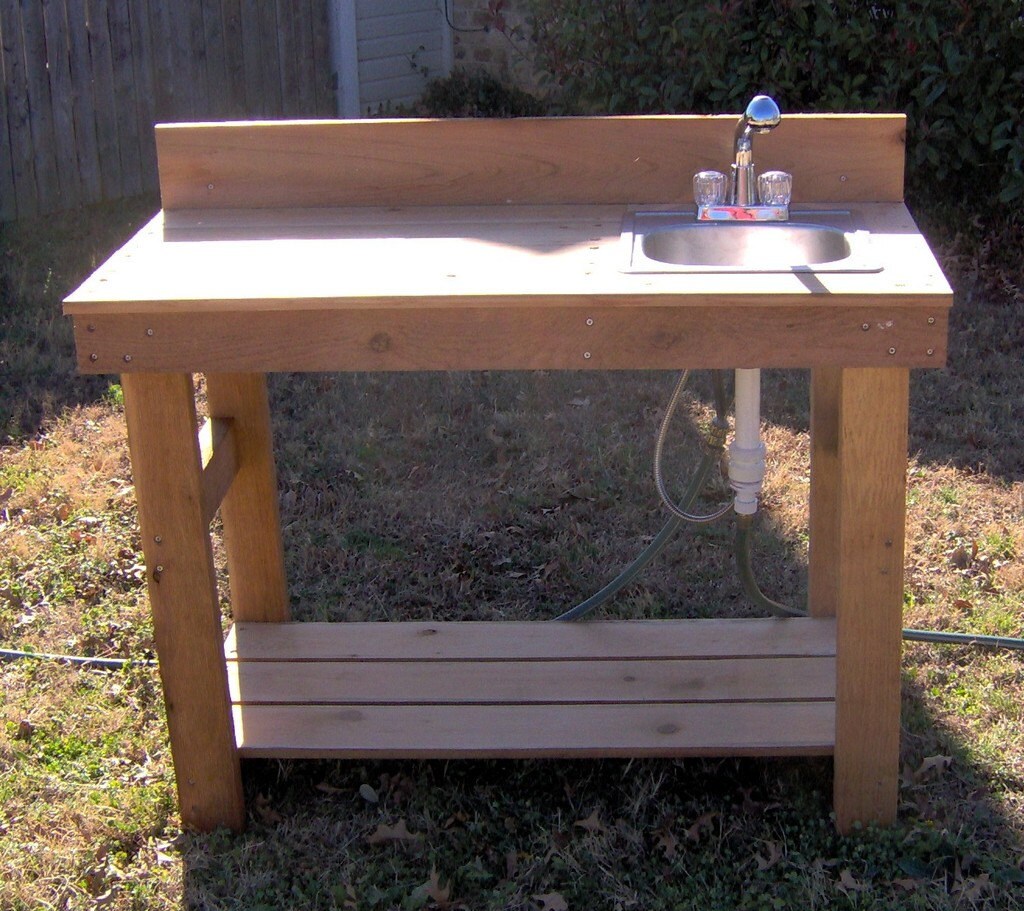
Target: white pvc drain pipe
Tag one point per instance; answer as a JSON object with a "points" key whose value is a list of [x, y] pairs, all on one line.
{"points": [[747, 451]]}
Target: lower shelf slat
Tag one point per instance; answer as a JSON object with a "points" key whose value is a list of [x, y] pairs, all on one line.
{"points": [[519, 731], [676, 688], [351, 682]]}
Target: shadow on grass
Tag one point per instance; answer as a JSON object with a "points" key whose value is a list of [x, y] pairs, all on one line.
{"points": [[602, 834], [41, 261]]}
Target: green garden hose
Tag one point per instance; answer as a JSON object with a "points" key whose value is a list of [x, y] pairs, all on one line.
{"points": [[714, 446], [744, 529]]}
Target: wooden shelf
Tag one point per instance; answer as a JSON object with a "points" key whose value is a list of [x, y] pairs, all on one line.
{"points": [[659, 688]]}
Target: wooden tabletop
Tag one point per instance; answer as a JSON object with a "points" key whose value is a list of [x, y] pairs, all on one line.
{"points": [[479, 256]]}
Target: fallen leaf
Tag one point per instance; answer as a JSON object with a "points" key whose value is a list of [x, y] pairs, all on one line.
{"points": [[551, 901], [972, 889], [327, 788], [666, 841], [266, 812], [938, 764], [398, 832], [439, 894], [701, 823], [368, 794], [774, 855], [848, 884], [960, 558], [591, 824]]}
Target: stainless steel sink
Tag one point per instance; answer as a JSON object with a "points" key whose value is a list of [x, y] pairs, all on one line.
{"points": [[819, 241]]}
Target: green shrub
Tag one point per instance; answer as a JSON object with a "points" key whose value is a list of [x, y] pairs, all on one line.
{"points": [[463, 94], [956, 69]]}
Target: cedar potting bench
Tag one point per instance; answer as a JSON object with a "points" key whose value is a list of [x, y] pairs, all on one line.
{"points": [[477, 244]]}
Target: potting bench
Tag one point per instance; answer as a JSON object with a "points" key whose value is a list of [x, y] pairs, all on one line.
{"points": [[466, 245]]}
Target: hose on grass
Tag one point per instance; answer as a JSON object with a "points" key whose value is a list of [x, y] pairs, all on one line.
{"points": [[76, 660], [714, 446], [744, 529]]}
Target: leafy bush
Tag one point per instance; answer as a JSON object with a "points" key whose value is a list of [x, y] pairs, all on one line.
{"points": [[956, 68], [463, 94]]}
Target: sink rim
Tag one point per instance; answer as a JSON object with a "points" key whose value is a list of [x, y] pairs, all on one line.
{"points": [[637, 225]]}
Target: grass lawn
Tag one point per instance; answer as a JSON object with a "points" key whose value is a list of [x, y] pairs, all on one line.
{"points": [[498, 496]]}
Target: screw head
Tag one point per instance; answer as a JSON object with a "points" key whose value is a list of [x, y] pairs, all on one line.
{"points": [[892, 351], [930, 352], [586, 355], [94, 357], [149, 332], [127, 358], [864, 327], [931, 320]]}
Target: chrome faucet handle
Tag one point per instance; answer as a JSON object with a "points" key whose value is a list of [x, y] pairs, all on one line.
{"points": [[709, 188], [775, 188]]}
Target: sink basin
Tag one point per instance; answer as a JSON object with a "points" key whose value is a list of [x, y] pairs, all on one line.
{"points": [[820, 241]]}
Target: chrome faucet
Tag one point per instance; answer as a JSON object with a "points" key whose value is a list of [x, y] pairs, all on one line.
{"points": [[761, 116], [750, 198]]}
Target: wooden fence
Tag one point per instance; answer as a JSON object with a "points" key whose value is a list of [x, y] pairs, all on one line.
{"points": [[83, 81]]}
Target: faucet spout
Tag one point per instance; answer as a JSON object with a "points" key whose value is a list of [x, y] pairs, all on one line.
{"points": [[761, 116]]}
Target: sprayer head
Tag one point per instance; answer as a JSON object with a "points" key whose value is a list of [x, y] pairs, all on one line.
{"points": [[762, 114]]}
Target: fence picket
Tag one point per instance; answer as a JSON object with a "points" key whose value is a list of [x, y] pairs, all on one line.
{"points": [[125, 90], [83, 102], [143, 57], [58, 68], [40, 114], [8, 202], [23, 166]]}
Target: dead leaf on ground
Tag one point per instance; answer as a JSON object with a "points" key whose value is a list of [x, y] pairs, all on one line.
{"points": [[434, 890], [667, 842], [591, 824], [266, 812], [701, 823], [973, 889], [906, 884], [551, 901], [847, 883], [772, 856], [937, 764], [398, 832]]}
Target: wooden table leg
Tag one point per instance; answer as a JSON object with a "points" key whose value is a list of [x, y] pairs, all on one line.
{"points": [[823, 561], [862, 416], [161, 418], [252, 524]]}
